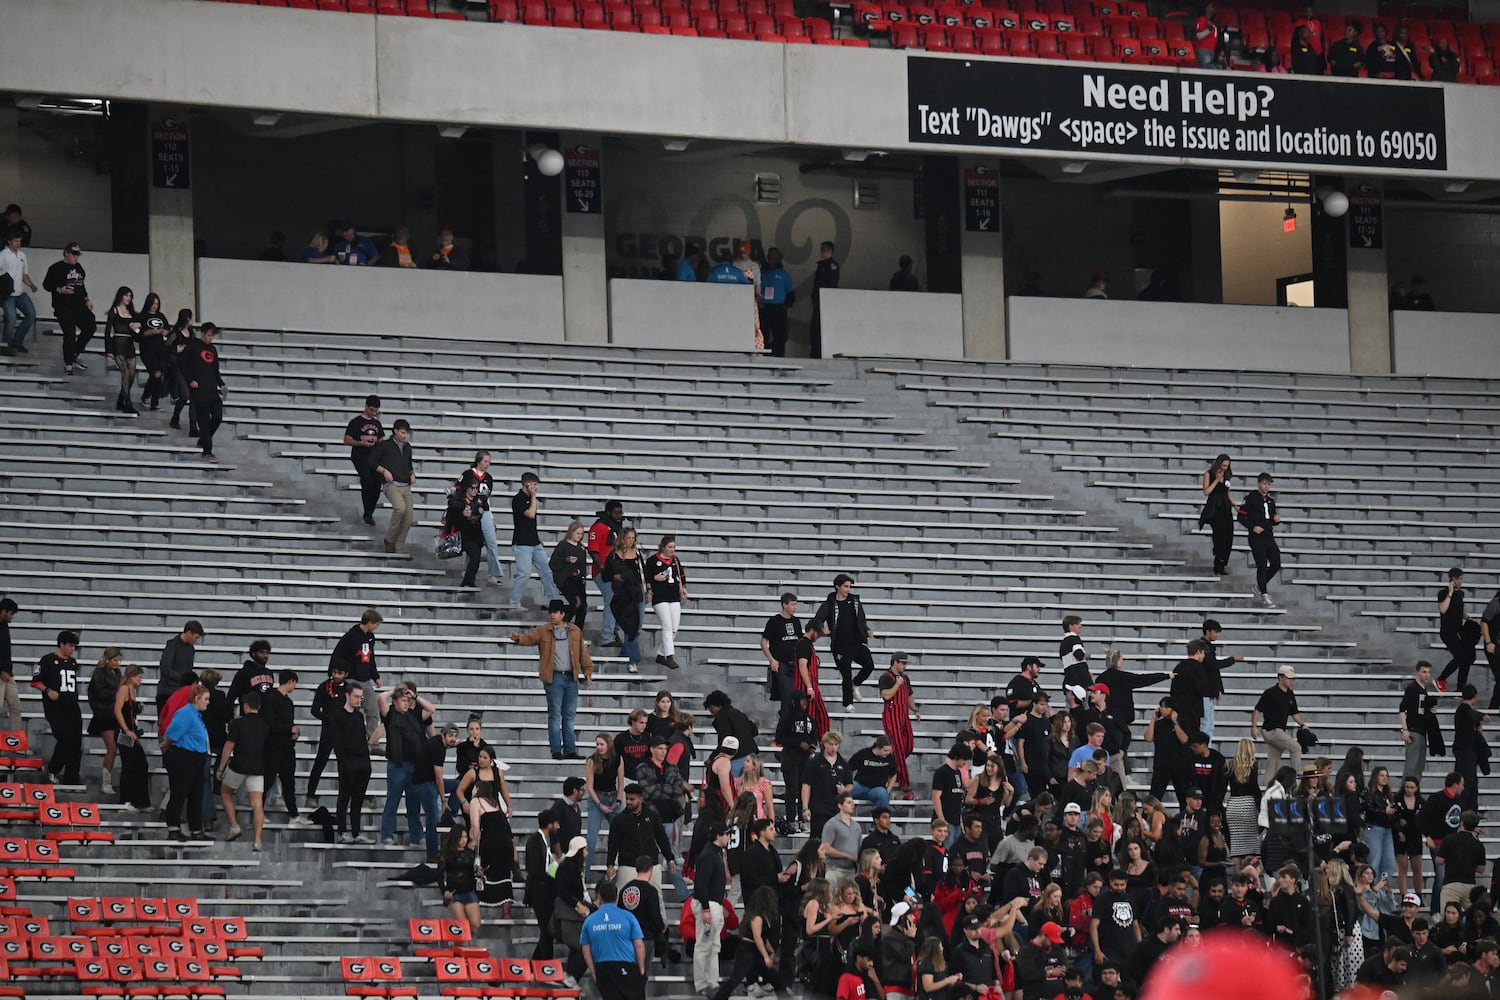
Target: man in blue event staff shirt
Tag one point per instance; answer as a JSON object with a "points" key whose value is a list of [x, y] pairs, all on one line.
{"points": [[353, 248], [727, 274], [614, 947], [777, 295], [687, 268]]}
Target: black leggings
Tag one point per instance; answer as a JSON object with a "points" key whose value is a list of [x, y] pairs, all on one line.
{"points": [[185, 777], [78, 326], [281, 765], [352, 786]]}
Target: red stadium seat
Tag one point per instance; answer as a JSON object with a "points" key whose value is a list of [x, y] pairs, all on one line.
{"points": [[991, 41], [1007, 20], [919, 15], [817, 28], [1019, 43], [904, 36], [791, 27], [1046, 45], [933, 38], [963, 40], [1076, 47], [734, 23]]}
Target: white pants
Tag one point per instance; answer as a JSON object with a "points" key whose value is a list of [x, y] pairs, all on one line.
{"points": [[710, 924], [669, 617]]}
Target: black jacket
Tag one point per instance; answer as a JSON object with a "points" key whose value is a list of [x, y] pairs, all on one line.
{"points": [[1259, 512], [631, 836], [831, 615], [709, 880], [759, 865], [732, 722], [355, 652]]}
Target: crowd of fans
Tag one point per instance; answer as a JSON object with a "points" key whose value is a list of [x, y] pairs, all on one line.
{"points": [[1040, 874]]}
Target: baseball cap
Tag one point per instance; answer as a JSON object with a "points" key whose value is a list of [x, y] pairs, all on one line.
{"points": [[1032, 661], [1100, 687], [12, 207], [898, 911], [557, 606], [899, 658], [1077, 691], [1074, 807], [73, 248], [1052, 932], [1194, 793], [1286, 672], [1411, 899], [575, 845], [730, 743], [972, 922]]}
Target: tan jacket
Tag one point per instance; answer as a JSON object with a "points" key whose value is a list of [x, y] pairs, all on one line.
{"points": [[542, 638]]}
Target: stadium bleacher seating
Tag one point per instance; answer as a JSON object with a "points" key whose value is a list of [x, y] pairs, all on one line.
{"points": [[1086, 30], [976, 505]]}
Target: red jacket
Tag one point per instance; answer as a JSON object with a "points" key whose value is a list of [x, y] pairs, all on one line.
{"points": [[601, 541]]}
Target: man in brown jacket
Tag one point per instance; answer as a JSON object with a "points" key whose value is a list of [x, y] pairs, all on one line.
{"points": [[562, 661]]}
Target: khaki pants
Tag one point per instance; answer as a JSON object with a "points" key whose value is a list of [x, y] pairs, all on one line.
{"points": [[401, 514], [1456, 892], [710, 924], [1279, 741], [12, 699]]}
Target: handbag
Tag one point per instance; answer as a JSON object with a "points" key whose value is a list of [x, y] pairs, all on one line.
{"points": [[449, 545]]}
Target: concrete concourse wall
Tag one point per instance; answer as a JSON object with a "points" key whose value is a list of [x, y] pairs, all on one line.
{"points": [[103, 273], [1437, 343], [360, 65], [461, 305], [903, 324], [681, 314], [1178, 335]]}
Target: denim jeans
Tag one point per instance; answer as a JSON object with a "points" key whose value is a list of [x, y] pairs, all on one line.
{"points": [[607, 627], [1208, 716], [1018, 782], [1382, 849], [429, 801], [877, 796], [597, 818], [17, 329], [562, 705], [529, 557], [397, 779], [491, 549]]}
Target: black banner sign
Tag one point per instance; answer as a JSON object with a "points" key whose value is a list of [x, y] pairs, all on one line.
{"points": [[981, 200], [170, 166], [1087, 108], [584, 196], [1366, 223]]}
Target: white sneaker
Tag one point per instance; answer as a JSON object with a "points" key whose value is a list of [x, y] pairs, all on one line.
{"points": [[301, 821], [570, 982], [233, 834], [346, 838], [858, 696], [632, 668], [107, 786], [497, 581], [362, 839], [1266, 600]]}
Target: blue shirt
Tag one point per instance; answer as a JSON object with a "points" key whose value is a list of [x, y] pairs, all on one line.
{"points": [[187, 731], [775, 286], [686, 271], [727, 274], [611, 933], [357, 251], [1082, 754]]}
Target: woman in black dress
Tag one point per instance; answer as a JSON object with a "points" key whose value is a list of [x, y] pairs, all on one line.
{"points": [[1407, 838], [1218, 511], [121, 329], [103, 684], [154, 328]]}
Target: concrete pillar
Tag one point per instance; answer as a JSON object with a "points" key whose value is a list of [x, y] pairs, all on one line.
{"points": [[585, 280], [982, 260], [1369, 313], [169, 227], [1368, 282]]}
